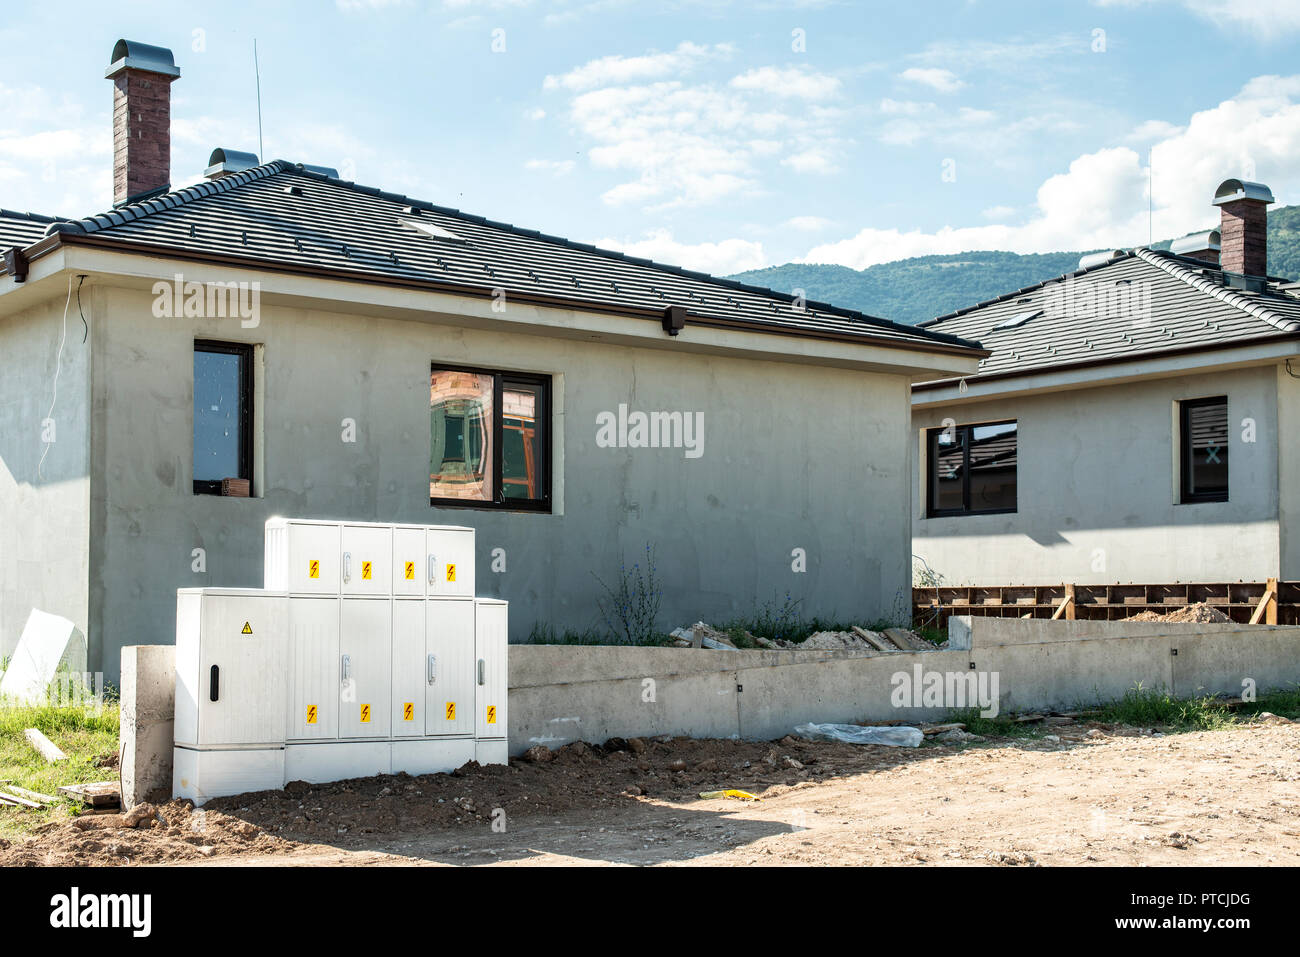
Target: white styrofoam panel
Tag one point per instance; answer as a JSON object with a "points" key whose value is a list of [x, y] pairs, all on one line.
{"points": [[410, 667], [491, 644], [314, 678], [409, 560], [203, 775], [316, 762], [432, 756], [367, 561], [47, 641], [449, 568], [492, 751], [449, 637], [243, 669], [365, 641]]}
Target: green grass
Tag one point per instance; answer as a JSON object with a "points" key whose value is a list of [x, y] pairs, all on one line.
{"points": [[546, 634], [1141, 707], [83, 733]]}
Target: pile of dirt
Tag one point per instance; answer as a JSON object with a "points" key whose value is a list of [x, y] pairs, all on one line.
{"points": [[1200, 613], [359, 812]]}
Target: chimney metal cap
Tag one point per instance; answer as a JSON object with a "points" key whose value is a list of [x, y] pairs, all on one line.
{"points": [[329, 171], [1096, 259], [1196, 243], [223, 161], [132, 55], [1231, 190]]}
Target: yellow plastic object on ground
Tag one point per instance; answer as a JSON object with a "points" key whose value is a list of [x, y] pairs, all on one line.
{"points": [[729, 793]]}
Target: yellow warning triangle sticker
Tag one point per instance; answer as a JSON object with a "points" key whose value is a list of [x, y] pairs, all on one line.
{"points": [[248, 629]]}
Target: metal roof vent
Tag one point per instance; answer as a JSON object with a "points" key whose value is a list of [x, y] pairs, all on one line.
{"points": [[329, 171], [430, 229], [1096, 259], [223, 162], [1199, 242], [1018, 320]]}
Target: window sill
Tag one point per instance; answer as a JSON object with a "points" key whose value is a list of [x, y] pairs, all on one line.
{"points": [[995, 511], [535, 508]]}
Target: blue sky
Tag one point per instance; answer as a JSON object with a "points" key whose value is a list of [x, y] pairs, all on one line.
{"points": [[718, 135]]}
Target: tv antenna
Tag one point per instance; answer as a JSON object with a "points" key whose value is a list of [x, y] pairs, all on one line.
{"points": [[257, 75], [1151, 197]]}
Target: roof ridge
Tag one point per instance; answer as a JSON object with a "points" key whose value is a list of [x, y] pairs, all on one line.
{"points": [[170, 200], [34, 217], [1230, 296], [811, 304]]}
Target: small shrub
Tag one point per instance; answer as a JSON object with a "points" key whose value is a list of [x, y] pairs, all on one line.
{"points": [[630, 608]]}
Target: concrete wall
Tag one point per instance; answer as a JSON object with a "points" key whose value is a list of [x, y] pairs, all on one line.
{"points": [[558, 695], [1097, 489], [795, 456], [148, 720], [1288, 468], [44, 506]]}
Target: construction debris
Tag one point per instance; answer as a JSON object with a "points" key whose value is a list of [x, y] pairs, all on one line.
{"points": [[15, 794], [1200, 613], [47, 748], [891, 640], [894, 737], [99, 794], [732, 793]]}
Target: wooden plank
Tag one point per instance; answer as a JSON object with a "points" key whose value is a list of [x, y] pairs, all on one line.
{"points": [[1268, 599], [97, 794], [1070, 603], [1068, 600], [31, 795], [47, 748], [15, 799], [872, 640], [929, 729], [1270, 616]]}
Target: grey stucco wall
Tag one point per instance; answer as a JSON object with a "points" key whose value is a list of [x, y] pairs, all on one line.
{"points": [[44, 507], [1288, 468], [795, 456], [1096, 489]]}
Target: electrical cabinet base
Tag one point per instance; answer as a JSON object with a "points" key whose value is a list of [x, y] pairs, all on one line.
{"points": [[336, 761], [432, 757], [492, 751], [203, 775]]}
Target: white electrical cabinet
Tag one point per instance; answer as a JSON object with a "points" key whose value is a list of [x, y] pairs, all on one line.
{"points": [[365, 653]]}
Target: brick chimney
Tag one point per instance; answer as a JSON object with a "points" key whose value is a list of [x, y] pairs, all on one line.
{"points": [[1243, 226], [142, 76]]}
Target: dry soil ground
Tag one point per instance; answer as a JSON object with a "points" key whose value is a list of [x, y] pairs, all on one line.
{"points": [[1101, 794]]}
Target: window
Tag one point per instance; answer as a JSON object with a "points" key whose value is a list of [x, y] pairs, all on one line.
{"points": [[1204, 427], [223, 415], [490, 439], [972, 469]]}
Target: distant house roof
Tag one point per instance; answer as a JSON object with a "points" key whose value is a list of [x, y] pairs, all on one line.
{"points": [[285, 216], [22, 229], [1138, 304]]}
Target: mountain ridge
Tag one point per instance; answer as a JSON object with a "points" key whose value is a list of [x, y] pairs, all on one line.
{"points": [[922, 287]]}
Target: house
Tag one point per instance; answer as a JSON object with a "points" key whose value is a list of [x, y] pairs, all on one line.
{"points": [[1137, 421], [275, 341]]}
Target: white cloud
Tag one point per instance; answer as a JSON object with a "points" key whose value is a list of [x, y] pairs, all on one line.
{"points": [[1101, 200], [807, 224], [558, 167], [937, 78], [810, 161], [536, 113], [365, 6], [719, 259], [616, 69], [1265, 18], [788, 81], [1152, 130], [998, 212]]}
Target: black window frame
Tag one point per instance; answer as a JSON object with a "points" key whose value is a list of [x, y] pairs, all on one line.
{"points": [[932, 458], [501, 379], [1186, 495], [245, 352]]}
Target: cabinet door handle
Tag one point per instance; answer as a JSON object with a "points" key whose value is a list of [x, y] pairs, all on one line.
{"points": [[214, 683], [433, 569], [347, 667], [481, 671], [347, 567], [433, 668]]}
